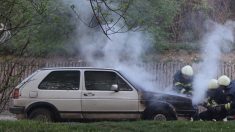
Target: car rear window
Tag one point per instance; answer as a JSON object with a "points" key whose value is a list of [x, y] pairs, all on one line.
{"points": [[61, 80]]}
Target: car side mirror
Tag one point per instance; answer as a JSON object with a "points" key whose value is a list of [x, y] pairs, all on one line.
{"points": [[114, 87]]}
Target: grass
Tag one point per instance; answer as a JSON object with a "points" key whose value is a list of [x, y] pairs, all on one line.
{"points": [[125, 126]]}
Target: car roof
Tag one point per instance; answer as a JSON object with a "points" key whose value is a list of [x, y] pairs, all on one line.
{"points": [[69, 68]]}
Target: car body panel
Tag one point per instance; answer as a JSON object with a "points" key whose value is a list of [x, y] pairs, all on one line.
{"points": [[95, 104]]}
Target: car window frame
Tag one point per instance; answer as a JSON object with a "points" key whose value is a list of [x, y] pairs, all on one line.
{"points": [[117, 73], [76, 70]]}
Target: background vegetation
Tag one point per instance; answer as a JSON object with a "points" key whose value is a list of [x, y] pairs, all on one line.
{"points": [[48, 25]]}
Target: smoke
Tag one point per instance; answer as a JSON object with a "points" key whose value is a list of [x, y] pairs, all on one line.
{"points": [[217, 40], [123, 51]]}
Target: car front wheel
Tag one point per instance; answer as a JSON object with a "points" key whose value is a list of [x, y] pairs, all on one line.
{"points": [[159, 117]]}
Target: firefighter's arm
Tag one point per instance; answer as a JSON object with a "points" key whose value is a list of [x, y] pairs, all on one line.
{"points": [[224, 107], [182, 91], [178, 86], [229, 106], [187, 86], [187, 90], [207, 102]]}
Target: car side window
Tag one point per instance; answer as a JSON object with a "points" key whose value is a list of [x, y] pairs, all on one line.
{"points": [[103, 80], [61, 80]]}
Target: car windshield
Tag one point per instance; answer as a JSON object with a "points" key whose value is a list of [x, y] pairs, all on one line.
{"points": [[135, 85]]}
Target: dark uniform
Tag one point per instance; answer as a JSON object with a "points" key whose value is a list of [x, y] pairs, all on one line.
{"points": [[230, 91], [215, 97], [181, 84], [230, 98], [227, 108]]}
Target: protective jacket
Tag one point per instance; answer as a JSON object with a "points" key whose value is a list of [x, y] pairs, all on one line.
{"points": [[215, 97], [227, 108], [230, 98], [182, 85]]}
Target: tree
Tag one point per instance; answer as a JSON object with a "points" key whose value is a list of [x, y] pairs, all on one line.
{"points": [[16, 18]]}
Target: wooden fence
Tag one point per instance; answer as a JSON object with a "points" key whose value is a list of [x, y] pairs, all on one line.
{"points": [[163, 72]]}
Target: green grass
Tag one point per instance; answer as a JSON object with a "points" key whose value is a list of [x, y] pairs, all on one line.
{"points": [[134, 126]]}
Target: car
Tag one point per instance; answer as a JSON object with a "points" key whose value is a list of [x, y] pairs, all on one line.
{"points": [[87, 93]]}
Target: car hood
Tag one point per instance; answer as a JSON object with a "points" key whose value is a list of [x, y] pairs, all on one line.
{"points": [[180, 103]]}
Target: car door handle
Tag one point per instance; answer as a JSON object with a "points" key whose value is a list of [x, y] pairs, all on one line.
{"points": [[89, 94]]}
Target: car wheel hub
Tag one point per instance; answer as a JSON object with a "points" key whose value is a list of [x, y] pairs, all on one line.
{"points": [[41, 118], [160, 117]]}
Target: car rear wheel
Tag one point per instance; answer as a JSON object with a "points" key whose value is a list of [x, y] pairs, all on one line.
{"points": [[41, 114]]}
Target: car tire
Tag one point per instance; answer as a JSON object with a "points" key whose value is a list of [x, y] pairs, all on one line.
{"points": [[159, 117], [41, 114]]}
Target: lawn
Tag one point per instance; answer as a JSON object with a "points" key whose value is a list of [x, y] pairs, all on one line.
{"points": [[124, 126]]}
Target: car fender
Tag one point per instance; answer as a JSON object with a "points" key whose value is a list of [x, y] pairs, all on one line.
{"points": [[40, 104]]}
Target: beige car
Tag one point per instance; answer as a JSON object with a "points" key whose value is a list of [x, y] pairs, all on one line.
{"points": [[55, 94]]}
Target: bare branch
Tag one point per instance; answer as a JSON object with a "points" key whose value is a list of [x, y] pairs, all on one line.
{"points": [[97, 18]]}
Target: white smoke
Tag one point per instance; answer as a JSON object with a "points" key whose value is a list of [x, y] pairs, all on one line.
{"points": [[123, 51], [218, 39]]}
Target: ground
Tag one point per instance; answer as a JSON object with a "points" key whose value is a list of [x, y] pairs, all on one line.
{"points": [[122, 126], [6, 115]]}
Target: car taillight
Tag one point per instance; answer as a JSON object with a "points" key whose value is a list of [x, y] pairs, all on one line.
{"points": [[16, 93]]}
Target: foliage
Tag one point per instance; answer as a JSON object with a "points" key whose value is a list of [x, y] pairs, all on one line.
{"points": [[49, 25], [155, 16], [53, 34], [46, 24], [180, 21]]}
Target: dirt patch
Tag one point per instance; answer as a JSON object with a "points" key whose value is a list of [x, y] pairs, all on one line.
{"points": [[8, 117]]}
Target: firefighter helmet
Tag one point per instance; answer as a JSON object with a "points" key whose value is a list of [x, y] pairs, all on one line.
{"points": [[187, 70], [213, 84], [224, 80]]}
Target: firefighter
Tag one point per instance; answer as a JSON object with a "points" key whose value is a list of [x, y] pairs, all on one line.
{"points": [[215, 97], [228, 88], [182, 82]]}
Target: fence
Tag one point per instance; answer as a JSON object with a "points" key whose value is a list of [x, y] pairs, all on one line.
{"points": [[163, 72]]}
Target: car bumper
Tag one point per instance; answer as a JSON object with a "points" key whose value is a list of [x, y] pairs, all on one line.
{"points": [[17, 109], [186, 113]]}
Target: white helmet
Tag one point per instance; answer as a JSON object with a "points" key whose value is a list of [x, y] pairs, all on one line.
{"points": [[213, 84], [187, 70], [224, 80]]}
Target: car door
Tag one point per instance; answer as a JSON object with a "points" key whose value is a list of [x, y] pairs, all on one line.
{"points": [[100, 102], [62, 88]]}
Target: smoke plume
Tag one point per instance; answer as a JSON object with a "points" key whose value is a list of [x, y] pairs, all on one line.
{"points": [[123, 51], [217, 40]]}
